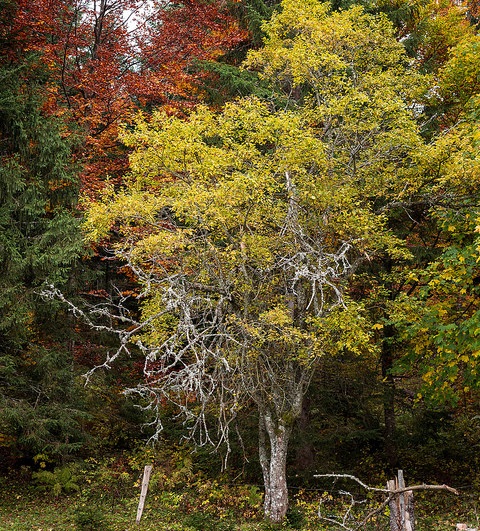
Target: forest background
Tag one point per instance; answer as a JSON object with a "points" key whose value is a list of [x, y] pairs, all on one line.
{"points": [[200, 198]]}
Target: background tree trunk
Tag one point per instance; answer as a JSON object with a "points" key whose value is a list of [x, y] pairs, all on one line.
{"points": [[389, 398]]}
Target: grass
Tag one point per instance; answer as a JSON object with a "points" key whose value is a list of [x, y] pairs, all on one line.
{"points": [[199, 505], [25, 509]]}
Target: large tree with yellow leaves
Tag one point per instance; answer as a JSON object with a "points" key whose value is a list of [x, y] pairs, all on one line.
{"points": [[243, 226]]}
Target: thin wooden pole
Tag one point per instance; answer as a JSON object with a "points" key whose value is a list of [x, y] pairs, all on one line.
{"points": [[146, 479], [401, 499]]}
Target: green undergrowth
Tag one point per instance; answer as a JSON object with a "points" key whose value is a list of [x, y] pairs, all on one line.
{"points": [[102, 495], [23, 508]]}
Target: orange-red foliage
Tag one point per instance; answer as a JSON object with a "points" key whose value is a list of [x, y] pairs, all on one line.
{"points": [[107, 58]]}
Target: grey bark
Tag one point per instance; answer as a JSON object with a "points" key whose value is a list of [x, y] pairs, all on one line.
{"points": [[401, 505], [273, 460]]}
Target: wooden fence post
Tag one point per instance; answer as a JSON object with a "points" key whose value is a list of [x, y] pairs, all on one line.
{"points": [[146, 479], [395, 518], [401, 506]]}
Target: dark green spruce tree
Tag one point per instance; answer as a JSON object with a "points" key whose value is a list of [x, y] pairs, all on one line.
{"points": [[40, 243]]}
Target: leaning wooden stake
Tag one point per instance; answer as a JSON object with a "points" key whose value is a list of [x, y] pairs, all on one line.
{"points": [[146, 478]]}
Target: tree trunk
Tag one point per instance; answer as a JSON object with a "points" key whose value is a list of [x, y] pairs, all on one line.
{"points": [[389, 398], [305, 453], [273, 460]]}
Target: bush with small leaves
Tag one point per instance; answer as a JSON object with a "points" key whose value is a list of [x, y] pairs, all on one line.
{"points": [[61, 480], [90, 519]]}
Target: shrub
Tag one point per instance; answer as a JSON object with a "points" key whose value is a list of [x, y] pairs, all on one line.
{"points": [[90, 519], [205, 522], [295, 518], [62, 479]]}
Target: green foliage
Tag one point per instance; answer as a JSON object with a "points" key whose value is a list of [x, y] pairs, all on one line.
{"points": [[48, 420], [295, 518], [255, 496], [253, 13], [459, 79], [38, 189], [204, 522], [61, 480], [109, 478], [90, 519], [233, 82], [23, 509], [444, 442], [40, 397], [439, 321]]}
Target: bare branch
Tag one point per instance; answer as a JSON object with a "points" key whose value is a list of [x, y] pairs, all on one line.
{"points": [[390, 495], [353, 478]]}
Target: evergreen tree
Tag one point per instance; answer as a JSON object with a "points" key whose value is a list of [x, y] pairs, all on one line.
{"points": [[39, 243]]}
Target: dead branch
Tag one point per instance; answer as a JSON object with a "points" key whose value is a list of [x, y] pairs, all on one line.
{"points": [[391, 494]]}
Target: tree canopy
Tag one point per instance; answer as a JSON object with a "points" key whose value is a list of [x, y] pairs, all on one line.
{"points": [[246, 227]]}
